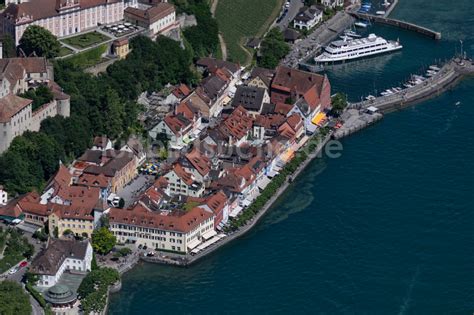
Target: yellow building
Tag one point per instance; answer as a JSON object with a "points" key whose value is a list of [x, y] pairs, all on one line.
{"points": [[121, 48], [79, 221]]}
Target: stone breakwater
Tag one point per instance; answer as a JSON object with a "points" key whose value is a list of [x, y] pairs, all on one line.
{"points": [[397, 23], [451, 73]]}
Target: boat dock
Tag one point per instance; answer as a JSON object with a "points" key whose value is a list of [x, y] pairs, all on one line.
{"points": [[448, 75], [306, 48], [401, 24], [355, 120]]}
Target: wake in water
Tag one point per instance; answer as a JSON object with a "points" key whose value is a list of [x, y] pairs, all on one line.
{"points": [[406, 301], [450, 119]]}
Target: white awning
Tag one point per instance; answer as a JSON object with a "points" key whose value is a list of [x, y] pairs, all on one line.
{"points": [[207, 235], [236, 211], [246, 202], [264, 182], [195, 242], [272, 173]]}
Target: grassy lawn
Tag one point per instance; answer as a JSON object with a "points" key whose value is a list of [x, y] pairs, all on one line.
{"points": [[86, 40], [64, 51], [88, 58], [241, 19]]}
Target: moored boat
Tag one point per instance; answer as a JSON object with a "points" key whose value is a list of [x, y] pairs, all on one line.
{"points": [[342, 50]]}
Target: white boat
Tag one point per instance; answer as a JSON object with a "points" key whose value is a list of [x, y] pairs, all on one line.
{"points": [[434, 68], [418, 77], [352, 34], [342, 50], [408, 85], [380, 12], [370, 97], [386, 93], [386, 3], [360, 24]]}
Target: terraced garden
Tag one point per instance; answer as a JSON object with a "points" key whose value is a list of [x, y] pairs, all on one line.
{"points": [[241, 19], [86, 40]]}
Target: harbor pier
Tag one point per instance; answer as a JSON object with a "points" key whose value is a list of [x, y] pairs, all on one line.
{"points": [[401, 24], [449, 74]]}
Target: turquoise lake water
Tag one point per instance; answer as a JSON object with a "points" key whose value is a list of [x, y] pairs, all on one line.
{"points": [[387, 228]]}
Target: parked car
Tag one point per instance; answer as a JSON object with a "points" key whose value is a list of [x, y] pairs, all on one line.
{"points": [[23, 264], [13, 270]]}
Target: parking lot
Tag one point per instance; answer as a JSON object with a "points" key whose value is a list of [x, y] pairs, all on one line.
{"points": [[132, 191], [289, 12]]}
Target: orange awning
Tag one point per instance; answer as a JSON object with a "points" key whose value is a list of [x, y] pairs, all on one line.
{"points": [[320, 117]]}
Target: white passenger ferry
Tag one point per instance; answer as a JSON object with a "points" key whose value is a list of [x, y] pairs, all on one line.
{"points": [[349, 49]]}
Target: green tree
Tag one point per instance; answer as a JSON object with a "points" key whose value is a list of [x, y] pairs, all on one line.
{"points": [[115, 112], [273, 49], [40, 41], [103, 241], [9, 50], [67, 232], [338, 103], [13, 300], [40, 96]]}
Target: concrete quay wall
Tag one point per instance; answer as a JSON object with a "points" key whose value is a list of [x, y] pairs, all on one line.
{"points": [[449, 75], [401, 24]]}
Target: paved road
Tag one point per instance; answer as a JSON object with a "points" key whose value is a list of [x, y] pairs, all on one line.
{"points": [[295, 6], [321, 36]]}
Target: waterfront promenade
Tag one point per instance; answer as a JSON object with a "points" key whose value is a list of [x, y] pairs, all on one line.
{"points": [[186, 260]]}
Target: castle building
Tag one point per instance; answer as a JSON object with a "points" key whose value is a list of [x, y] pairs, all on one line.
{"points": [[17, 115], [62, 17]]}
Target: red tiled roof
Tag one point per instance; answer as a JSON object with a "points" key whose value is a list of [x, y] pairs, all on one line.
{"points": [[177, 123], [152, 14], [199, 161], [181, 173], [91, 180], [217, 201], [181, 91], [238, 123], [297, 83], [10, 105], [11, 209], [187, 110], [30, 203], [283, 108], [74, 212], [178, 221]]}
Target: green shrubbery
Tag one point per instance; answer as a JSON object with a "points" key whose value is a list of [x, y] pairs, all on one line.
{"points": [[17, 248], [13, 300], [93, 289], [88, 58], [278, 181]]}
